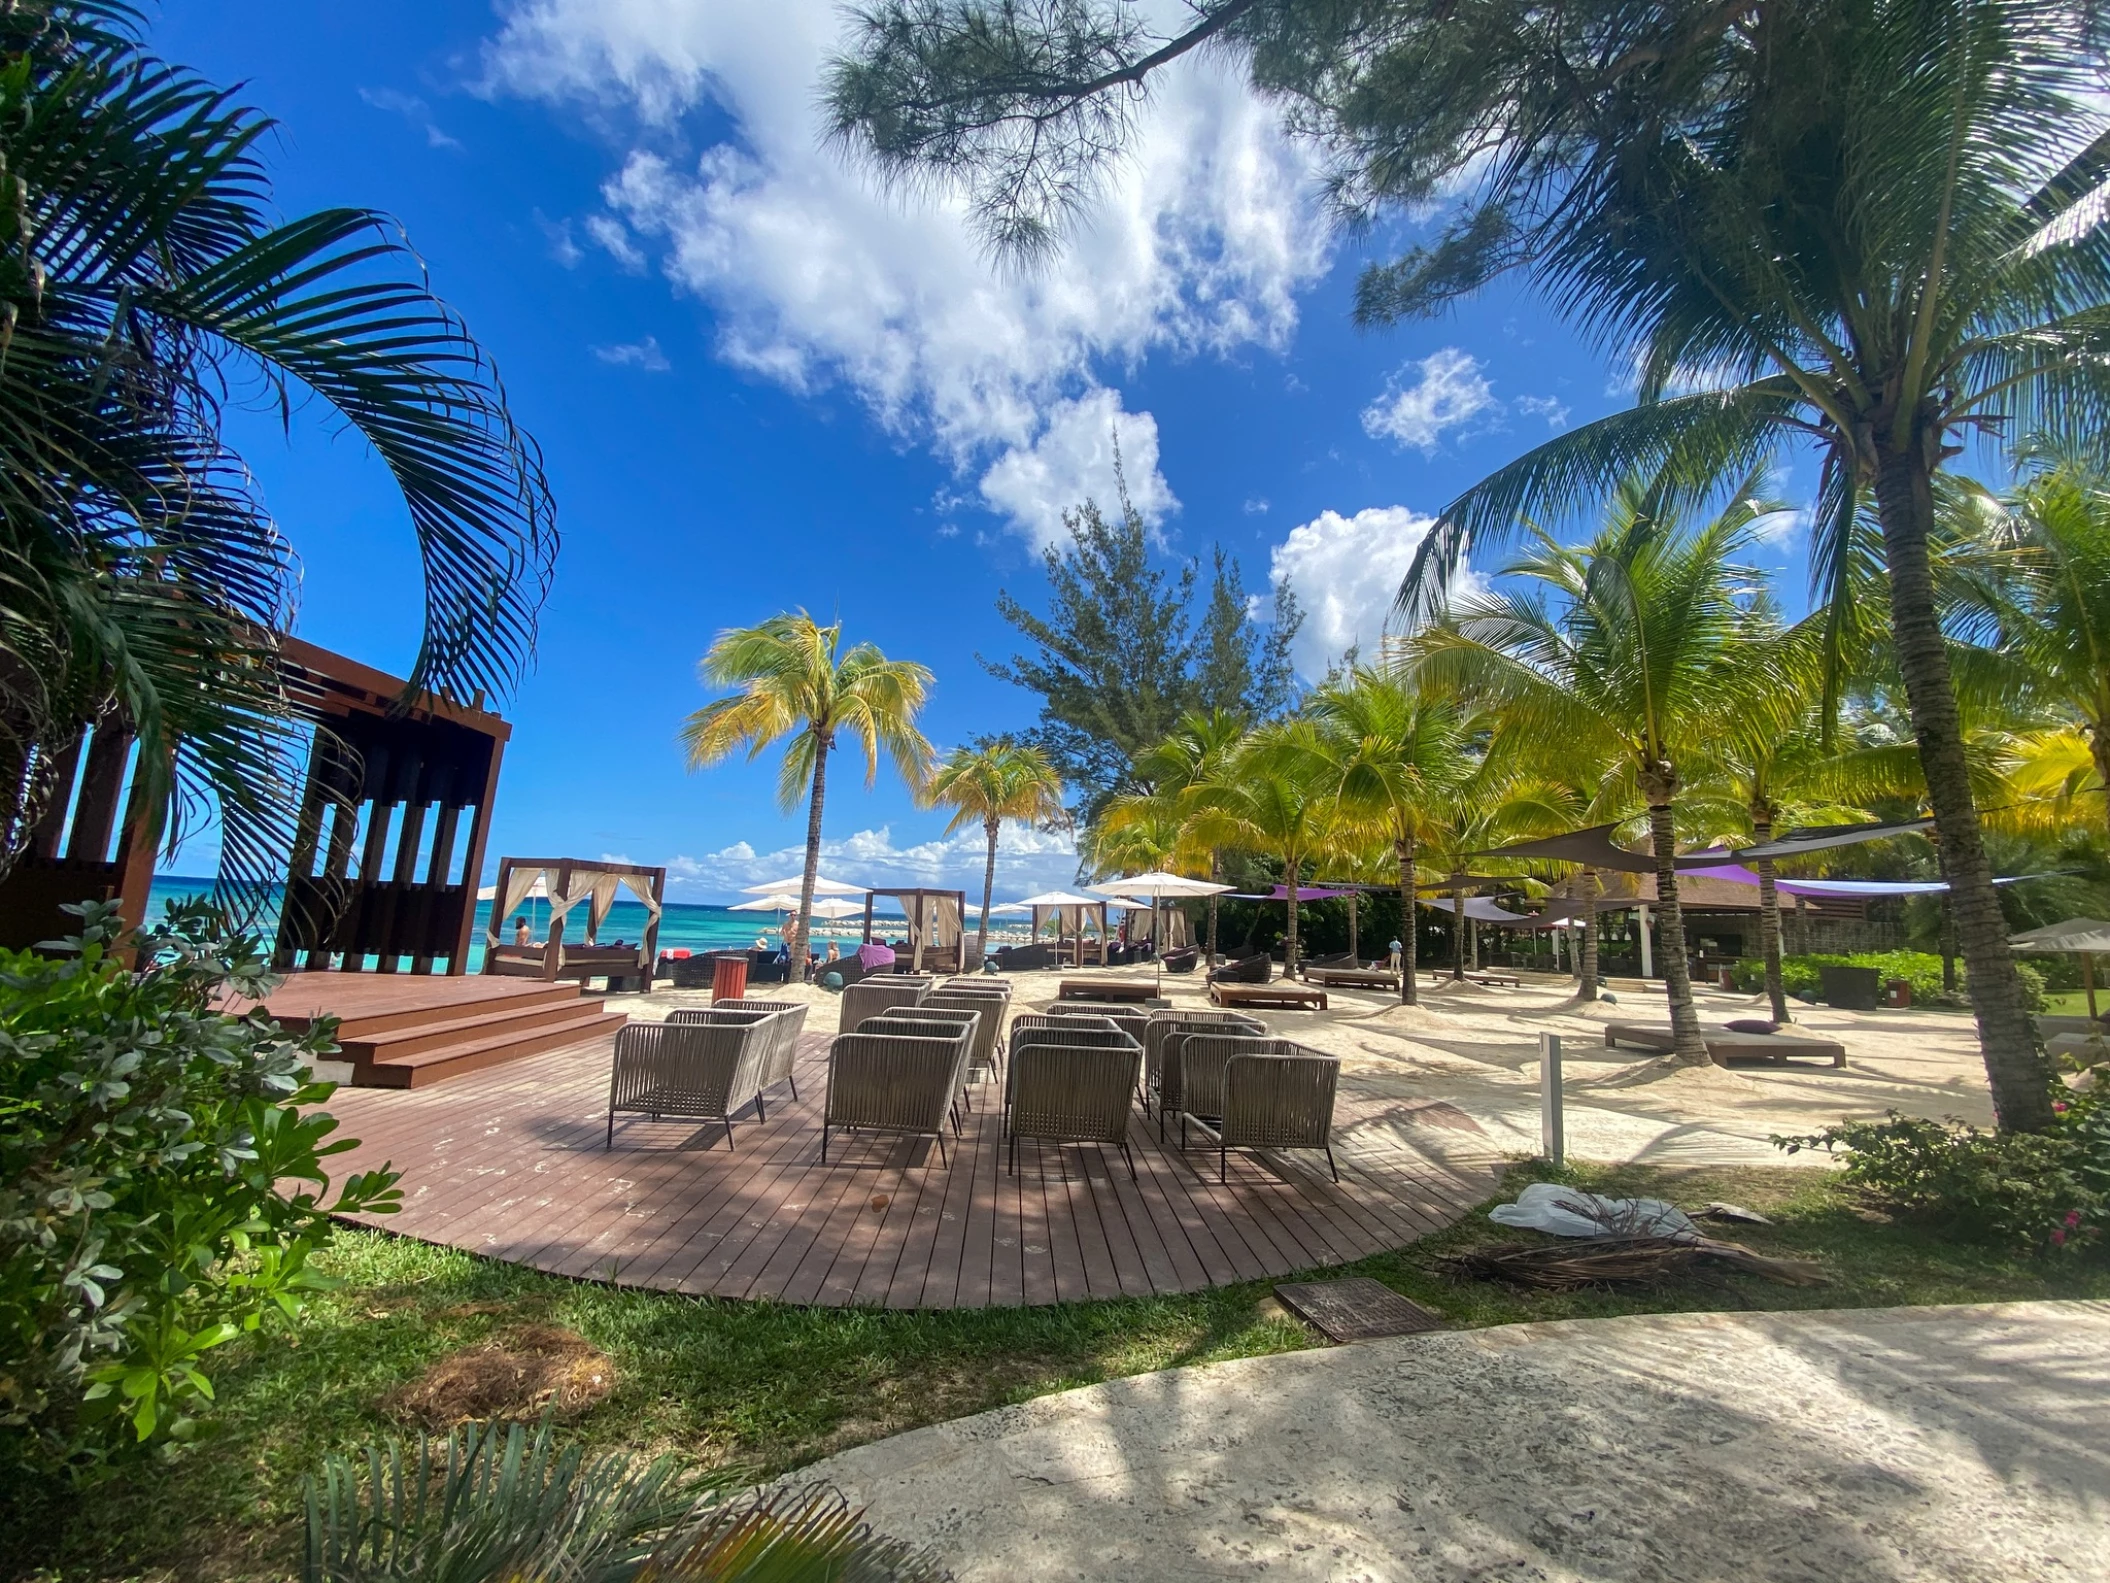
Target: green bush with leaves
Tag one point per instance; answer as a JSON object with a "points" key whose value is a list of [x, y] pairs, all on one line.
{"points": [[162, 1180], [2043, 1191], [1921, 969], [490, 1504]]}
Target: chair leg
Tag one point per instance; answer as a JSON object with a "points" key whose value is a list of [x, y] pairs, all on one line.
{"points": [[1223, 1162], [611, 1131], [1329, 1162], [824, 1144], [1013, 1169], [1131, 1159], [761, 1112], [941, 1149], [728, 1134]]}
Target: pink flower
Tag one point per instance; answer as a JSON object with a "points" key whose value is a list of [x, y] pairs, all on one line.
{"points": [[2059, 1107], [2073, 1217], [2058, 1238]]}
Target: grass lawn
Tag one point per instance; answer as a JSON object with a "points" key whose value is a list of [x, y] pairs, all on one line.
{"points": [[2074, 1002], [769, 1387]]}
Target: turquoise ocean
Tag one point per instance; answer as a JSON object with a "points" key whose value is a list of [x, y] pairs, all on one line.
{"points": [[684, 926]]}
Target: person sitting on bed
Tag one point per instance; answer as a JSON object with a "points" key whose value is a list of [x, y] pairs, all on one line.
{"points": [[522, 934]]}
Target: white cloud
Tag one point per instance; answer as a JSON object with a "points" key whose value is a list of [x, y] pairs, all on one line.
{"points": [[412, 109], [614, 238], [1551, 408], [1449, 392], [643, 354], [1072, 460], [815, 277], [1347, 572], [1028, 861], [1257, 507]]}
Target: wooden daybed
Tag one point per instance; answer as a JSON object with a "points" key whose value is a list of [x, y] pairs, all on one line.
{"points": [[1725, 1045], [575, 884], [1342, 976], [1281, 997], [1127, 991]]}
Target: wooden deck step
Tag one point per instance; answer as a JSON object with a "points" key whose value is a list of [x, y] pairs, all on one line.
{"points": [[370, 1004], [464, 1024], [469, 1053]]}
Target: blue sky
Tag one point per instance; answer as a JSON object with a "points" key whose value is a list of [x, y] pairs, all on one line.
{"points": [[761, 384]]}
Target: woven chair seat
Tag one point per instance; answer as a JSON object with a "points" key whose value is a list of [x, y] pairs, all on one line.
{"points": [[888, 1081]]}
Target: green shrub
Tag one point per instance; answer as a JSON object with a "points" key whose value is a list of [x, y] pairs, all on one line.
{"points": [[2047, 1192], [1921, 969], [161, 1178]]}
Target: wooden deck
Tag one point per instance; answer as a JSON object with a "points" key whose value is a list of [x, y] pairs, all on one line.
{"points": [[508, 1163]]}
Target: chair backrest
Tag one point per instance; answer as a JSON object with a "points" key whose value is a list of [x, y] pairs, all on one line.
{"points": [[789, 1027], [1028, 1021], [983, 984], [923, 1017], [896, 1080], [1279, 1099], [685, 1068], [724, 1014], [1164, 1023], [1072, 1092], [989, 1008], [1190, 1071], [882, 992], [1073, 1036]]}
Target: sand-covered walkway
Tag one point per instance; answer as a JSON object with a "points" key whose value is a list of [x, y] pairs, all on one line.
{"points": [[1961, 1444]]}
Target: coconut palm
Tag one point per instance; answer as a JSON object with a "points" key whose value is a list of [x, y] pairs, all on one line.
{"points": [[988, 784], [2030, 579], [1636, 666], [1199, 750], [1277, 798], [791, 682], [144, 275], [1399, 757]]}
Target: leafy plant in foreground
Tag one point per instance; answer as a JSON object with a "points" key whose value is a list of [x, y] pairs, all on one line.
{"points": [[161, 1177], [491, 1503]]}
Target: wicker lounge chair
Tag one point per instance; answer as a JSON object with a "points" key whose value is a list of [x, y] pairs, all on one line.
{"points": [[880, 993], [1246, 970], [1079, 1032], [706, 1066], [1161, 1040], [1074, 1091], [919, 1019], [989, 1010], [1276, 1097], [787, 1026], [895, 1081], [1181, 959]]}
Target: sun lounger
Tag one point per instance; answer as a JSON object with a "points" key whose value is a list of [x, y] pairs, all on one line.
{"points": [[895, 1081], [1246, 970], [1490, 979], [1279, 997], [1344, 977], [1724, 1046], [1132, 991]]}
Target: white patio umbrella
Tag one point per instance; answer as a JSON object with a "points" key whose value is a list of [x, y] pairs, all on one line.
{"points": [[2082, 936], [766, 904], [1157, 885], [822, 886]]}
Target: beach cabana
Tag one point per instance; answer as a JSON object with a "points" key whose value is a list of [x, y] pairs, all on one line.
{"points": [[1157, 885], [936, 934], [576, 885], [1071, 913]]}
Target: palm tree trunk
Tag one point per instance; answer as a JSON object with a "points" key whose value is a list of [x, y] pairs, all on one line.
{"points": [[797, 967], [2015, 1066], [1670, 941], [1289, 941], [1457, 937], [1407, 920], [1769, 919], [1587, 990], [1354, 955], [981, 935], [1215, 862]]}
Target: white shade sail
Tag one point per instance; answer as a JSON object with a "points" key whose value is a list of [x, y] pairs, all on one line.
{"points": [[822, 886], [1158, 883]]}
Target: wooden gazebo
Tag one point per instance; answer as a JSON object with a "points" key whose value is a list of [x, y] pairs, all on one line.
{"points": [[575, 884]]}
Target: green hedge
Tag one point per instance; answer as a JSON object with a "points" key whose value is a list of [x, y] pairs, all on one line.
{"points": [[1920, 969]]}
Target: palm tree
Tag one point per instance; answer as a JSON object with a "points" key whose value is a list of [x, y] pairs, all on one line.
{"points": [[144, 275], [1398, 757], [1198, 751], [790, 682], [1276, 797], [999, 780], [1636, 667], [2031, 579]]}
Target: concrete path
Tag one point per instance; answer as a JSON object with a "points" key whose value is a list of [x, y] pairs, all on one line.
{"points": [[1959, 1444]]}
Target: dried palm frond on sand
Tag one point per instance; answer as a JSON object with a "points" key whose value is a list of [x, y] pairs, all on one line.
{"points": [[1612, 1261]]}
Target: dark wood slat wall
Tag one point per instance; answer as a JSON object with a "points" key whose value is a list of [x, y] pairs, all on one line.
{"points": [[508, 1162]]}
